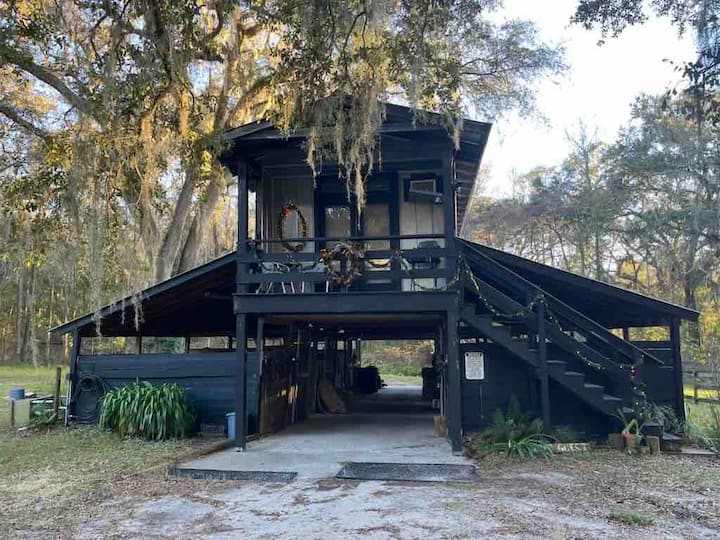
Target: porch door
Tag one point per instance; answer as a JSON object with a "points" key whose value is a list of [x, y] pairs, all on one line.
{"points": [[338, 218]]}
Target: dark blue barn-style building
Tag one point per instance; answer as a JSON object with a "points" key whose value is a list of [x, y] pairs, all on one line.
{"points": [[256, 331]]}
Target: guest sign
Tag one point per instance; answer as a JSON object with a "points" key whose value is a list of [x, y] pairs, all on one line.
{"points": [[474, 366]]}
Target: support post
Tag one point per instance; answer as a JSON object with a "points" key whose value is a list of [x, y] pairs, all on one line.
{"points": [[449, 212], [542, 368], [677, 365], [454, 397], [56, 393], [72, 383], [241, 318]]}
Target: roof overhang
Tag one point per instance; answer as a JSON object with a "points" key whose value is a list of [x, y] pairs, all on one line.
{"points": [[610, 305]]}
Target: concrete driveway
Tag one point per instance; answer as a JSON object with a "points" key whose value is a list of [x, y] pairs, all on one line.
{"points": [[318, 447], [391, 426]]}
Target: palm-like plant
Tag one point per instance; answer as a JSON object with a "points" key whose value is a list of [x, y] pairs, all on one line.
{"points": [[152, 412]]}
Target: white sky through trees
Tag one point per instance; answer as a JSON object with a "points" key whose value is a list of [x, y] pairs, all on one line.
{"points": [[598, 88]]}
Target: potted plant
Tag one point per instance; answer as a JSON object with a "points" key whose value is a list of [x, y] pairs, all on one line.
{"points": [[632, 436]]}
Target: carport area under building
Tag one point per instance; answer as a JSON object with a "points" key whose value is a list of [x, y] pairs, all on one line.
{"points": [[185, 334], [392, 429]]}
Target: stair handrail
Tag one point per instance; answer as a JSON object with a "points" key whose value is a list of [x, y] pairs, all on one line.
{"points": [[576, 318]]}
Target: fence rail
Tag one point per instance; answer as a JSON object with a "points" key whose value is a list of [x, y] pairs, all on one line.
{"points": [[703, 386]]}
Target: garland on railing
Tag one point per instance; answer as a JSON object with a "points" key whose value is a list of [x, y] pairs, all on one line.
{"points": [[522, 312]]}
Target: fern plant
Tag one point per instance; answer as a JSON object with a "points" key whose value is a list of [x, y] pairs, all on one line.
{"points": [[513, 432], [152, 412]]}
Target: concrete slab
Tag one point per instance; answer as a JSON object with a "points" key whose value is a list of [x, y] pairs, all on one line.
{"points": [[318, 447]]}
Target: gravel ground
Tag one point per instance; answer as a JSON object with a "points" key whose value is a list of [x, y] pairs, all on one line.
{"points": [[576, 496]]}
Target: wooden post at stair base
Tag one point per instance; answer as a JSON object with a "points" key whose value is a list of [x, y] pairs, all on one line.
{"points": [[677, 365], [241, 318], [454, 387], [543, 368]]}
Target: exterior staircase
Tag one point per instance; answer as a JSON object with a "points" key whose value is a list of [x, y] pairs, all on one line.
{"points": [[559, 343]]}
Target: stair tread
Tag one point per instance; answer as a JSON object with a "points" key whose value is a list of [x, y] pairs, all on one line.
{"points": [[608, 397], [591, 385], [574, 374]]}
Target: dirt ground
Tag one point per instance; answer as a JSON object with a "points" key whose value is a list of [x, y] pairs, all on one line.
{"points": [[577, 496]]}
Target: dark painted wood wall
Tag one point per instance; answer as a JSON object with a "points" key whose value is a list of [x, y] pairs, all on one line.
{"points": [[506, 375], [209, 379]]}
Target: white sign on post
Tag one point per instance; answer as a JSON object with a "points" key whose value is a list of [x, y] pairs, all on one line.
{"points": [[474, 366]]}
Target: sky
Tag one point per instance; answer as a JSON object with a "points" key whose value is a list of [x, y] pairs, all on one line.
{"points": [[597, 89]]}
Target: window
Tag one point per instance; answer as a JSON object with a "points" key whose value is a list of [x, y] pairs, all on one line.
{"points": [[163, 345], [108, 345], [209, 344], [423, 188]]}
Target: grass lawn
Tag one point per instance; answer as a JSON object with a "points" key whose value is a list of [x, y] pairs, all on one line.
{"points": [[401, 380], [50, 477], [702, 394], [40, 379]]}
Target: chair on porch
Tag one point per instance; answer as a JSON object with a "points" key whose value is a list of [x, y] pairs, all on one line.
{"points": [[269, 286]]}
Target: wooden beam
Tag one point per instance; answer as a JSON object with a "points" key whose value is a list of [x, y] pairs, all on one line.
{"points": [[454, 388], [270, 135], [677, 365], [240, 318], [74, 354], [240, 399], [543, 369], [335, 303]]}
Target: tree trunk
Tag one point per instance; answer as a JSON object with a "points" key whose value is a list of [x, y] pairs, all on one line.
{"points": [[175, 234], [201, 224]]}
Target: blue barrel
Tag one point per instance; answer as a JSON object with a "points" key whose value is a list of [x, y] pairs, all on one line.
{"points": [[231, 424], [17, 393]]}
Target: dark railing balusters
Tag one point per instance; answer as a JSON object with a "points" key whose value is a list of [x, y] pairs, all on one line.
{"points": [[299, 267]]}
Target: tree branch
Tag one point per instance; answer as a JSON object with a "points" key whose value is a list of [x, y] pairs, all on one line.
{"points": [[15, 116], [26, 63]]}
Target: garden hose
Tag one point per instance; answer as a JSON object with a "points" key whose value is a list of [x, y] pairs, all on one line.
{"points": [[88, 386]]}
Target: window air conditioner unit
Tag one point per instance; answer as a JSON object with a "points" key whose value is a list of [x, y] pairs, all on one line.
{"points": [[426, 189]]}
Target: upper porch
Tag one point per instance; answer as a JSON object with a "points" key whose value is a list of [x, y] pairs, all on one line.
{"points": [[311, 237]]}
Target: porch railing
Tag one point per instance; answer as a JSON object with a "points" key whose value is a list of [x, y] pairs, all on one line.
{"points": [[424, 266]]}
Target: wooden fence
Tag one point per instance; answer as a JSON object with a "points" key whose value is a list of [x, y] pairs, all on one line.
{"points": [[704, 386]]}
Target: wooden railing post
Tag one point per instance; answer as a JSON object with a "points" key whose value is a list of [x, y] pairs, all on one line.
{"points": [[542, 368]]}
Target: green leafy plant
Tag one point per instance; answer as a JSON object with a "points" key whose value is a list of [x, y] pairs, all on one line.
{"points": [[42, 417], [151, 412], [663, 415], [530, 447], [513, 432], [703, 436]]}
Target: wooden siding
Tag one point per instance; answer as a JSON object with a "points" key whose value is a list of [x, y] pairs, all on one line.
{"points": [[209, 378]]}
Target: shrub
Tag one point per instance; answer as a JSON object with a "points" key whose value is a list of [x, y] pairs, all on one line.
{"points": [[530, 447], [513, 432], [151, 412], [42, 417]]}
